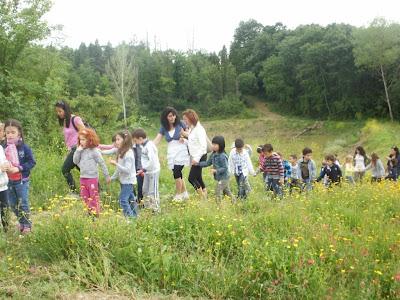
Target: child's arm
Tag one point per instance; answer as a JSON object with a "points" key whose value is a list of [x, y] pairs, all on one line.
{"points": [[109, 151], [77, 155], [281, 170], [231, 166], [99, 159], [322, 174], [207, 163], [29, 162], [250, 165], [106, 147]]}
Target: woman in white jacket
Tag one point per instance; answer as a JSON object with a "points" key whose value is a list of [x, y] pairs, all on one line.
{"points": [[197, 144]]}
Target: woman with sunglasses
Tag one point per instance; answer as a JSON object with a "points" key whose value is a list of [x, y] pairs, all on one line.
{"points": [[71, 125]]}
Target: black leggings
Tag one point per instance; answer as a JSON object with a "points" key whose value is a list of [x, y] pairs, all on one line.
{"points": [[195, 176], [67, 167], [177, 172]]}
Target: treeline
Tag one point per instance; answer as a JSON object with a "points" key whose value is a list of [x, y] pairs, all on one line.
{"points": [[337, 71]]}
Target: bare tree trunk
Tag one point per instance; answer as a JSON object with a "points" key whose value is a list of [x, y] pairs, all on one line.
{"points": [[387, 94]]}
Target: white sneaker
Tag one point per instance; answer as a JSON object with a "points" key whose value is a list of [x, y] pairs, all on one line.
{"points": [[185, 195], [178, 198]]}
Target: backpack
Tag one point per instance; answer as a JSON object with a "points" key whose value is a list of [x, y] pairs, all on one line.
{"points": [[86, 124]]}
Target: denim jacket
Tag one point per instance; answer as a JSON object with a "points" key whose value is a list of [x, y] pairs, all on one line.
{"points": [[219, 161]]}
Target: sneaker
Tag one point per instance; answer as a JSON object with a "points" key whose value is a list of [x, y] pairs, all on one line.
{"points": [[185, 195], [178, 198]]}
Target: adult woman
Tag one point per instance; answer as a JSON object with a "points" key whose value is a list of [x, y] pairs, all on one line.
{"points": [[197, 144], [71, 125], [177, 151]]}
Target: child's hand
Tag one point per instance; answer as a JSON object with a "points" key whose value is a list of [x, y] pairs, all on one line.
{"points": [[281, 181], [108, 179], [213, 171], [182, 140], [184, 133], [140, 173], [194, 163], [12, 169], [113, 161], [80, 148]]}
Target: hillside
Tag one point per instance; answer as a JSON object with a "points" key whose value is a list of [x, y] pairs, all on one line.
{"points": [[340, 244]]}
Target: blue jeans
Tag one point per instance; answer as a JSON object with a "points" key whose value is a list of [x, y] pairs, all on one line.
{"points": [[19, 201], [274, 185], [127, 200], [243, 186]]}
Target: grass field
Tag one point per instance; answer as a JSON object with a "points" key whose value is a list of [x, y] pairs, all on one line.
{"points": [[337, 244]]}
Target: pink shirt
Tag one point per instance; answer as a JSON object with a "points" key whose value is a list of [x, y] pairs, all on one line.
{"points": [[70, 134]]}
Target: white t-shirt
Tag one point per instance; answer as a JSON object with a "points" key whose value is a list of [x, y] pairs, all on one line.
{"points": [[177, 153], [359, 163]]}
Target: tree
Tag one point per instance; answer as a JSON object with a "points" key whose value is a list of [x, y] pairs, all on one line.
{"points": [[378, 48], [123, 73]]}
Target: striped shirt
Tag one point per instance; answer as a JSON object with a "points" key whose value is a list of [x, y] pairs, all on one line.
{"points": [[273, 167]]}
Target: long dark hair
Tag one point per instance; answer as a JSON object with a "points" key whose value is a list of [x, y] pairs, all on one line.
{"points": [[67, 113], [127, 143], [396, 149], [164, 117], [15, 123], [361, 151]]}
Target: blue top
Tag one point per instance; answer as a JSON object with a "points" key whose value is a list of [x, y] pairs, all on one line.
{"points": [[26, 159], [219, 161], [177, 133]]}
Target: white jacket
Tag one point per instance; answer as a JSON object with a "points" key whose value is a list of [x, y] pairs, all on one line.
{"points": [[150, 161], [3, 175], [197, 142]]}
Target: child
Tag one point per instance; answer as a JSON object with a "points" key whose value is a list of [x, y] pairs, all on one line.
{"points": [[88, 158], [219, 161], [261, 161], [376, 167], [3, 141], [21, 161], [332, 172], [240, 165], [274, 170], [393, 164], [3, 189], [286, 168], [306, 169], [294, 181], [360, 161], [349, 169], [125, 172], [150, 169]]}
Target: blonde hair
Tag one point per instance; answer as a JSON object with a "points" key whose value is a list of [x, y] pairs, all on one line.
{"points": [[349, 158]]}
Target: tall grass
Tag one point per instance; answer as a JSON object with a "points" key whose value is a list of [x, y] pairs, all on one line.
{"points": [[339, 243]]}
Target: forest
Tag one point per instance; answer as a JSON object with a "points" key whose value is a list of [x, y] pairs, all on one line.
{"points": [[324, 72]]}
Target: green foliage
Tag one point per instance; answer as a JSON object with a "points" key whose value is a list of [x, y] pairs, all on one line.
{"points": [[247, 83]]}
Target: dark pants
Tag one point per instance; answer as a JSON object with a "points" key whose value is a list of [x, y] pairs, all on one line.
{"points": [[3, 209], [139, 192], [195, 175], [66, 170]]}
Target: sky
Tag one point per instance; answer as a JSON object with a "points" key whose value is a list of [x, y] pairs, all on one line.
{"points": [[201, 24]]}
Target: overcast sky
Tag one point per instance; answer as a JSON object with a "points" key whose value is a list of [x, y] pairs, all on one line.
{"points": [[208, 24]]}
